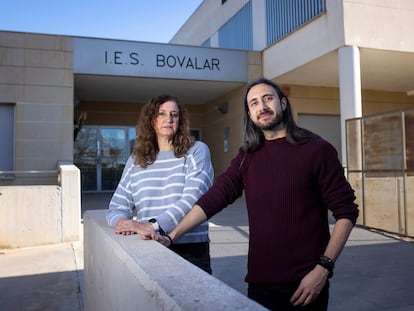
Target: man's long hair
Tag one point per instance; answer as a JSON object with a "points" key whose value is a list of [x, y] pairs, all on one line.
{"points": [[146, 143], [253, 137]]}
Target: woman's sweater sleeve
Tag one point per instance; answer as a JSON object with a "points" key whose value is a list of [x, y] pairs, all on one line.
{"points": [[199, 177], [122, 203]]}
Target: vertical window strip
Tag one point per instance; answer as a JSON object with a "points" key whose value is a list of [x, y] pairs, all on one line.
{"points": [[285, 16], [7, 128], [207, 43], [281, 16], [237, 33]]}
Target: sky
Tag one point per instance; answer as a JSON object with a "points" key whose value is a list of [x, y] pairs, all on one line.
{"points": [[136, 20]]}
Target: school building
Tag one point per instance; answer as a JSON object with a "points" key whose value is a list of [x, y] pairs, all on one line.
{"points": [[68, 99]]}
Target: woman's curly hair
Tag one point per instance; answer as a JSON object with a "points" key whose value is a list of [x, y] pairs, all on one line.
{"points": [[146, 143]]}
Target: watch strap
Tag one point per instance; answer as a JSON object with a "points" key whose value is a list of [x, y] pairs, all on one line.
{"points": [[327, 263]]}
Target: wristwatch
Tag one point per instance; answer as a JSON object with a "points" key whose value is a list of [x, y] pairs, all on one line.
{"points": [[155, 224], [328, 264]]}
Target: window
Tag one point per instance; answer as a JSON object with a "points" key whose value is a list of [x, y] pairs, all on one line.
{"points": [[195, 133], [286, 16], [6, 139], [237, 33]]}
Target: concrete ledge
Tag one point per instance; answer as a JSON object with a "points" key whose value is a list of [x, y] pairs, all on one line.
{"points": [[126, 273], [30, 216], [33, 215]]}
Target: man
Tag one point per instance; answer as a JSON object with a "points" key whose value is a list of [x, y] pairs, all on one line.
{"points": [[291, 178]]}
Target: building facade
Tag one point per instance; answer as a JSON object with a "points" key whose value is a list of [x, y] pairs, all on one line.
{"points": [[78, 99], [337, 59]]}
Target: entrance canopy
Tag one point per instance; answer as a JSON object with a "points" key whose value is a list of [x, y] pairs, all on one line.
{"points": [[113, 70], [130, 89]]}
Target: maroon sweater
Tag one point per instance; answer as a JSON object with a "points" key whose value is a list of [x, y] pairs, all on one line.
{"points": [[288, 189]]}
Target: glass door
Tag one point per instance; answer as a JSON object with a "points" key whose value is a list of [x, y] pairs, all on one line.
{"points": [[111, 157], [101, 154]]}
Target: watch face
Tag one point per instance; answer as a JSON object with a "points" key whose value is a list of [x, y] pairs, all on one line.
{"points": [[154, 223]]}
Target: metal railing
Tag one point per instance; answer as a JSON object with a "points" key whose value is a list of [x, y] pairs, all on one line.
{"points": [[32, 177]]}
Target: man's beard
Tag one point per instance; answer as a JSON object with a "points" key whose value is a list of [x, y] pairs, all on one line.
{"points": [[272, 124]]}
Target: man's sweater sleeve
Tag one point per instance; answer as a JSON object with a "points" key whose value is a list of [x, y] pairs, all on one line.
{"points": [[336, 192], [226, 189]]}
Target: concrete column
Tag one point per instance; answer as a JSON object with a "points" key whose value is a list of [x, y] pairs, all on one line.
{"points": [[69, 180], [259, 24], [349, 89]]}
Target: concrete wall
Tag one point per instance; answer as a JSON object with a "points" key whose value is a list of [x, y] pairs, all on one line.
{"points": [[386, 203], [365, 26], [39, 215], [126, 273]]}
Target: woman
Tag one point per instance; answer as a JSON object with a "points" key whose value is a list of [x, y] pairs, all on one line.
{"points": [[163, 178]]}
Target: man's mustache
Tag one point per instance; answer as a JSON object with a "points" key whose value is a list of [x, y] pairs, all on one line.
{"points": [[263, 112]]}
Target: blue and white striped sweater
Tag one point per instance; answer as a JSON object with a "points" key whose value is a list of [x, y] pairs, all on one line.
{"points": [[165, 190]]}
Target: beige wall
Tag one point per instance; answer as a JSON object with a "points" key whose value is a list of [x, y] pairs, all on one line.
{"points": [[375, 102], [36, 76], [109, 113], [373, 24], [325, 101], [215, 124], [314, 100]]}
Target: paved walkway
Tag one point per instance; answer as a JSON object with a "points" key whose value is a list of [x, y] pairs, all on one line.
{"points": [[374, 272]]}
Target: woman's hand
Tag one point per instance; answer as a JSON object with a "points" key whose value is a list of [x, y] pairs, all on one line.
{"points": [[128, 226]]}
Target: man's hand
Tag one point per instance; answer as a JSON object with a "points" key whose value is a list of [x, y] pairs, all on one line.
{"points": [[163, 239], [310, 286]]}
